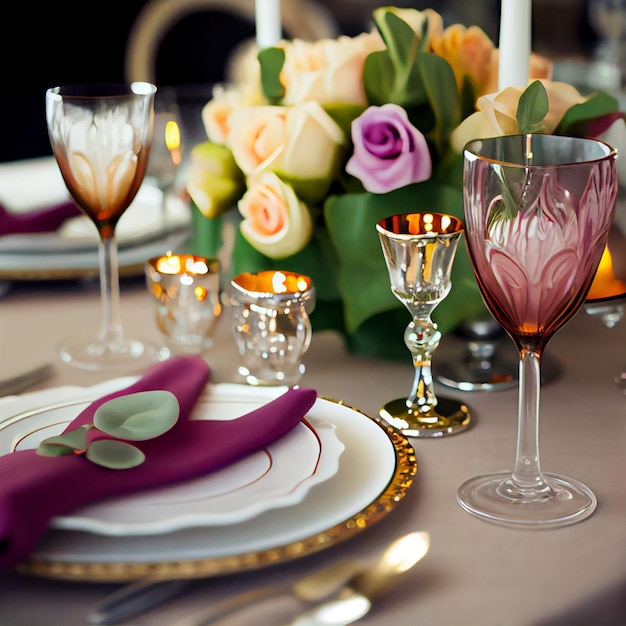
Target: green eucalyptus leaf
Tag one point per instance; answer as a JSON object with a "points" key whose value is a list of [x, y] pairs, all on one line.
{"points": [[138, 416], [114, 454], [532, 108], [67, 443], [272, 61]]}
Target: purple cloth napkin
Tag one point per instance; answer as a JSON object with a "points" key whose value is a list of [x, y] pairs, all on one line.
{"points": [[34, 488], [41, 221]]}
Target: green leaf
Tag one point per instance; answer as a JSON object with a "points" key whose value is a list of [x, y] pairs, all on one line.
{"points": [[138, 416], [378, 77], [391, 75], [597, 106], [68, 443], [272, 61], [400, 39], [114, 454], [440, 86], [206, 233], [532, 108]]}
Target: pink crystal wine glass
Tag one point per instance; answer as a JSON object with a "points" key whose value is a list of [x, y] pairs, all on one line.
{"points": [[100, 135], [538, 209]]}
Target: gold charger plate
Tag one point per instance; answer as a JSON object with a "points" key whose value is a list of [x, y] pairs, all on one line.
{"points": [[375, 471]]}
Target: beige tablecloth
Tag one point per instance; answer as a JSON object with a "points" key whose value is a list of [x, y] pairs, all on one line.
{"points": [[476, 573]]}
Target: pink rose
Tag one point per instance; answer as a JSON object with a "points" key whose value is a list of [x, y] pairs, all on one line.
{"points": [[389, 152]]}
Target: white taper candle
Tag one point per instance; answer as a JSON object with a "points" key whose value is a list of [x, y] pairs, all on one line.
{"points": [[515, 42], [268, 23]]}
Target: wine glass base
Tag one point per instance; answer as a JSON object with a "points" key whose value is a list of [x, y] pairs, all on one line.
{"points": [[567, 502], [448, 418], [127, 355], [460, 372]]}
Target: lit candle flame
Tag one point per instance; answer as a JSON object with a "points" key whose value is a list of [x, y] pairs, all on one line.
{"points": [[172, 141], [605, 285]]}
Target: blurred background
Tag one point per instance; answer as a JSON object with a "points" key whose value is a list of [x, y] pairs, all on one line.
{"points": [[60, 43]]}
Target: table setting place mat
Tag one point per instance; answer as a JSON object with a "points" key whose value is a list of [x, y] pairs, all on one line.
{"points": [[44, 235], [215, 494]]}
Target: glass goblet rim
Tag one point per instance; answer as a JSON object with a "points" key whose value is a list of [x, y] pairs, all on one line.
{"points": [[420, 224], [89, 91], [485, 149]]}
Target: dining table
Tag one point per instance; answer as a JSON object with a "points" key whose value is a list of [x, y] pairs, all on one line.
{"points": [[476, 573]]}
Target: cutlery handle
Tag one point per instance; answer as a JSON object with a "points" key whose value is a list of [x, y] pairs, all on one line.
{"points": [[239, 602], [134, 599]]}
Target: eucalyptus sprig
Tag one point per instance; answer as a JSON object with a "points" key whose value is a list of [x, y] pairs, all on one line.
{"points": [[132, 417]]}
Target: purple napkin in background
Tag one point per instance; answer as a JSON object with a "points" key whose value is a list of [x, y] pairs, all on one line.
{"points": [[41, 221], [34, 488]]}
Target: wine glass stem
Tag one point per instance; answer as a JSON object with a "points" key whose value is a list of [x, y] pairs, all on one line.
{"points": [[527, 473], [422, 338], [111, 332]]}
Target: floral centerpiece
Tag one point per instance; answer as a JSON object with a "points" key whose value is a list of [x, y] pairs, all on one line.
{"points": [[314, 142]]}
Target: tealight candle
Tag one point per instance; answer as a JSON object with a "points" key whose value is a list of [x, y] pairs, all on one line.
{"points": [[605, 285], [187, 291]]}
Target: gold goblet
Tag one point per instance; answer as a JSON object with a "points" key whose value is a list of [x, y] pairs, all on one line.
{"points": [[419, 250]]}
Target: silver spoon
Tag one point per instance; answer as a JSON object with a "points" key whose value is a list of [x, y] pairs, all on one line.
{"points": [[343, 591], [355, 599]]}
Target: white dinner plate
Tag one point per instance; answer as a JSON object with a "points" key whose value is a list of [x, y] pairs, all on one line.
{"points": [[279, 475], [375, 471]]}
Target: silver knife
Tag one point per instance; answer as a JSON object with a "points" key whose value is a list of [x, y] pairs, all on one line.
{"points": [[135, 598]]}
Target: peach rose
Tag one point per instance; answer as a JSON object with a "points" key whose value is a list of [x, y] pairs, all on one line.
{"points": [[275, 222], [226, 100], [468, 51], [328, 71], [300, 143], [497, 113]]}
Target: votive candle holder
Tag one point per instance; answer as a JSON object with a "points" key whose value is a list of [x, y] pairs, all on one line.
{"points": [[186, 289], [271, 324]]}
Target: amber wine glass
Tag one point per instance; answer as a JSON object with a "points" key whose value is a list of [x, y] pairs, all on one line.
{"points": [[538, 209], [100, 135]]}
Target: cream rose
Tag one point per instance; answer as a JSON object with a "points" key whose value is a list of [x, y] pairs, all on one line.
{"points": [[328, 71], [497, 113], [275, 222], [300, 143]]}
